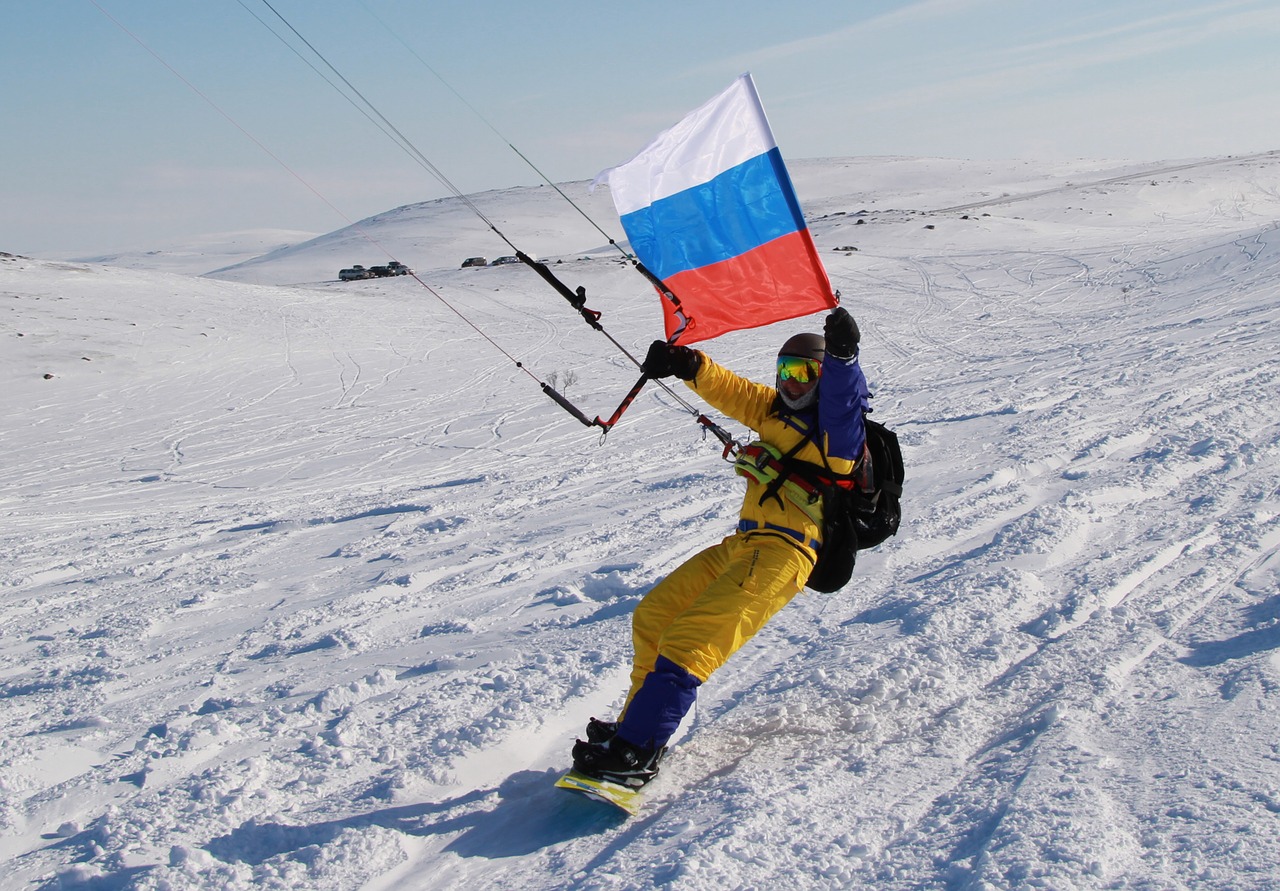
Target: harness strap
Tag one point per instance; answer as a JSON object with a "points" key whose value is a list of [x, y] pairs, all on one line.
{"points": [[763, 463], [800, 481], [782, 475], [767, 458]]}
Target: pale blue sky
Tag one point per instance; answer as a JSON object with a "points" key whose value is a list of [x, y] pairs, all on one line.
{"points": [[104, 148]]}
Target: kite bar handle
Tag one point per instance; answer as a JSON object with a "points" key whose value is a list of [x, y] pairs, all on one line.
{"points": [[622, 406], [604, 425], [567, 405]]}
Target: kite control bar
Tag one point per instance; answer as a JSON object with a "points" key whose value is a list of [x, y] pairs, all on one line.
{"points": [[708, 426], [604, 425], [578, 300]]}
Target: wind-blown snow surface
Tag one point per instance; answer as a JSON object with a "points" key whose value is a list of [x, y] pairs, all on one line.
{"points": [[309, 586]]}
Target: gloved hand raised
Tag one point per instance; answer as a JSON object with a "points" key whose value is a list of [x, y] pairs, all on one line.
{"points": [[841, 333], [664, 360]]}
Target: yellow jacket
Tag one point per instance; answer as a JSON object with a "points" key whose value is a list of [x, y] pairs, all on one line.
{"points": [[757, 406]]}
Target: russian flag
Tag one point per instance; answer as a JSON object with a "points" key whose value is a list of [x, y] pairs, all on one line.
{"points": [[710, 210]]}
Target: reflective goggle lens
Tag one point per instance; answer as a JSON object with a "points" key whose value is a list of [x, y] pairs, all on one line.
{"points": [[794, 368]]}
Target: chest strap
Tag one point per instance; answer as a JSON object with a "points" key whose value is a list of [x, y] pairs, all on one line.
{"points": [[800, 481], [762, 462]]}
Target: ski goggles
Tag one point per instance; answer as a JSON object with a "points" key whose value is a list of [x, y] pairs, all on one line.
{"points": [[798, 369]]}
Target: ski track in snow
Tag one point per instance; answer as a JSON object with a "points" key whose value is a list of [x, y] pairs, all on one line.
{"points": [[309, 587]]}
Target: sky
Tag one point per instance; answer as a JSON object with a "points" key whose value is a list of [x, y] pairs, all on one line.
{"points": [[145, 125]]}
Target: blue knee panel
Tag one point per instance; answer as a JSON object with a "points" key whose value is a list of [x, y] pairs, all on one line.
{"points": [[659, 705]]}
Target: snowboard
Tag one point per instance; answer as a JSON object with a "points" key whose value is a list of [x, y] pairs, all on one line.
{"points": [[622, 797]]}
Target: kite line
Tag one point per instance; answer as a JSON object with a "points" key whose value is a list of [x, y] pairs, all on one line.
{"points": [[575, 297]]}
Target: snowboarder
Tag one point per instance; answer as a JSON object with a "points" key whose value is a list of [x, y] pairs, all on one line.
{"points": [[689, 624]]}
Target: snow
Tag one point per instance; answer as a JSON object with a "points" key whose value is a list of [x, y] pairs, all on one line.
{"points": [[308, 585], [206, 254]]}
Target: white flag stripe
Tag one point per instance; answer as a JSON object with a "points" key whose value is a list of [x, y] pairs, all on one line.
{"points": [[717, 136]]}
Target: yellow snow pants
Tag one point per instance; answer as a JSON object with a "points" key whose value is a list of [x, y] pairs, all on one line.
{"points": [[714, 602]]}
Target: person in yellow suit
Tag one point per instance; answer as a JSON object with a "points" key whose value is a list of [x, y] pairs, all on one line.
{"points": [[689, 624]]}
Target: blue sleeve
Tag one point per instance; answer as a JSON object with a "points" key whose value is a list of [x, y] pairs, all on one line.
{"points": [[842, 399]]}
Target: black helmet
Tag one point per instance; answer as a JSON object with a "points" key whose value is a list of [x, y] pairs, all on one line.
{"points": [[807, 346], [803, 346]]}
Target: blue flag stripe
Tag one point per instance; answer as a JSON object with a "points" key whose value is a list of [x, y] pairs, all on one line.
{"points": [[736, 212]]}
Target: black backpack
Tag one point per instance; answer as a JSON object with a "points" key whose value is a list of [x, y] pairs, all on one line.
{"points": [[853, 520]]}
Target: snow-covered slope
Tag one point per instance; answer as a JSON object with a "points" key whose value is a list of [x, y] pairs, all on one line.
{"points": [[310, 586], [206, 254], [438, 235]]}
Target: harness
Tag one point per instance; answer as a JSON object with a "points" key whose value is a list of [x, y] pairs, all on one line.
{"points": [[763, 463], [800, 482]]}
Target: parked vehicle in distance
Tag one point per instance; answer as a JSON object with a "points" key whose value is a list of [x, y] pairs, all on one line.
{"points": [[358, 272], [505, 261], [475, 261]]}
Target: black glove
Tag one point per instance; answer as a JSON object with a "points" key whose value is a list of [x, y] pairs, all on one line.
{"points": [[841, 333], [665, 360]]}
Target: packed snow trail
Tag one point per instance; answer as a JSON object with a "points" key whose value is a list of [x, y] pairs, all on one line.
{"points": [[304, 588]]}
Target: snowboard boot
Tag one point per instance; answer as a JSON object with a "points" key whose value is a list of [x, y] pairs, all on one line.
{"points": [[617, 761], [601, 731]]}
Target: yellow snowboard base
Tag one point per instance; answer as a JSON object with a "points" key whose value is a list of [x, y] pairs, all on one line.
{"points": [[621, 797]]}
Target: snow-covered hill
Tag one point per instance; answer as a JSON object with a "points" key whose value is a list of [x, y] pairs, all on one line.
{"points": [[310, 586], [438, 235], [205, 254]]}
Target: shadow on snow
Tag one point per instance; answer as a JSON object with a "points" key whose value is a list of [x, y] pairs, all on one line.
{"points": [[529, 815]]}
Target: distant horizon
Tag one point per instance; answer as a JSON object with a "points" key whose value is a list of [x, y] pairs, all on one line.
{"points": [[134, 129], [196, 238], [251, 243]]}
